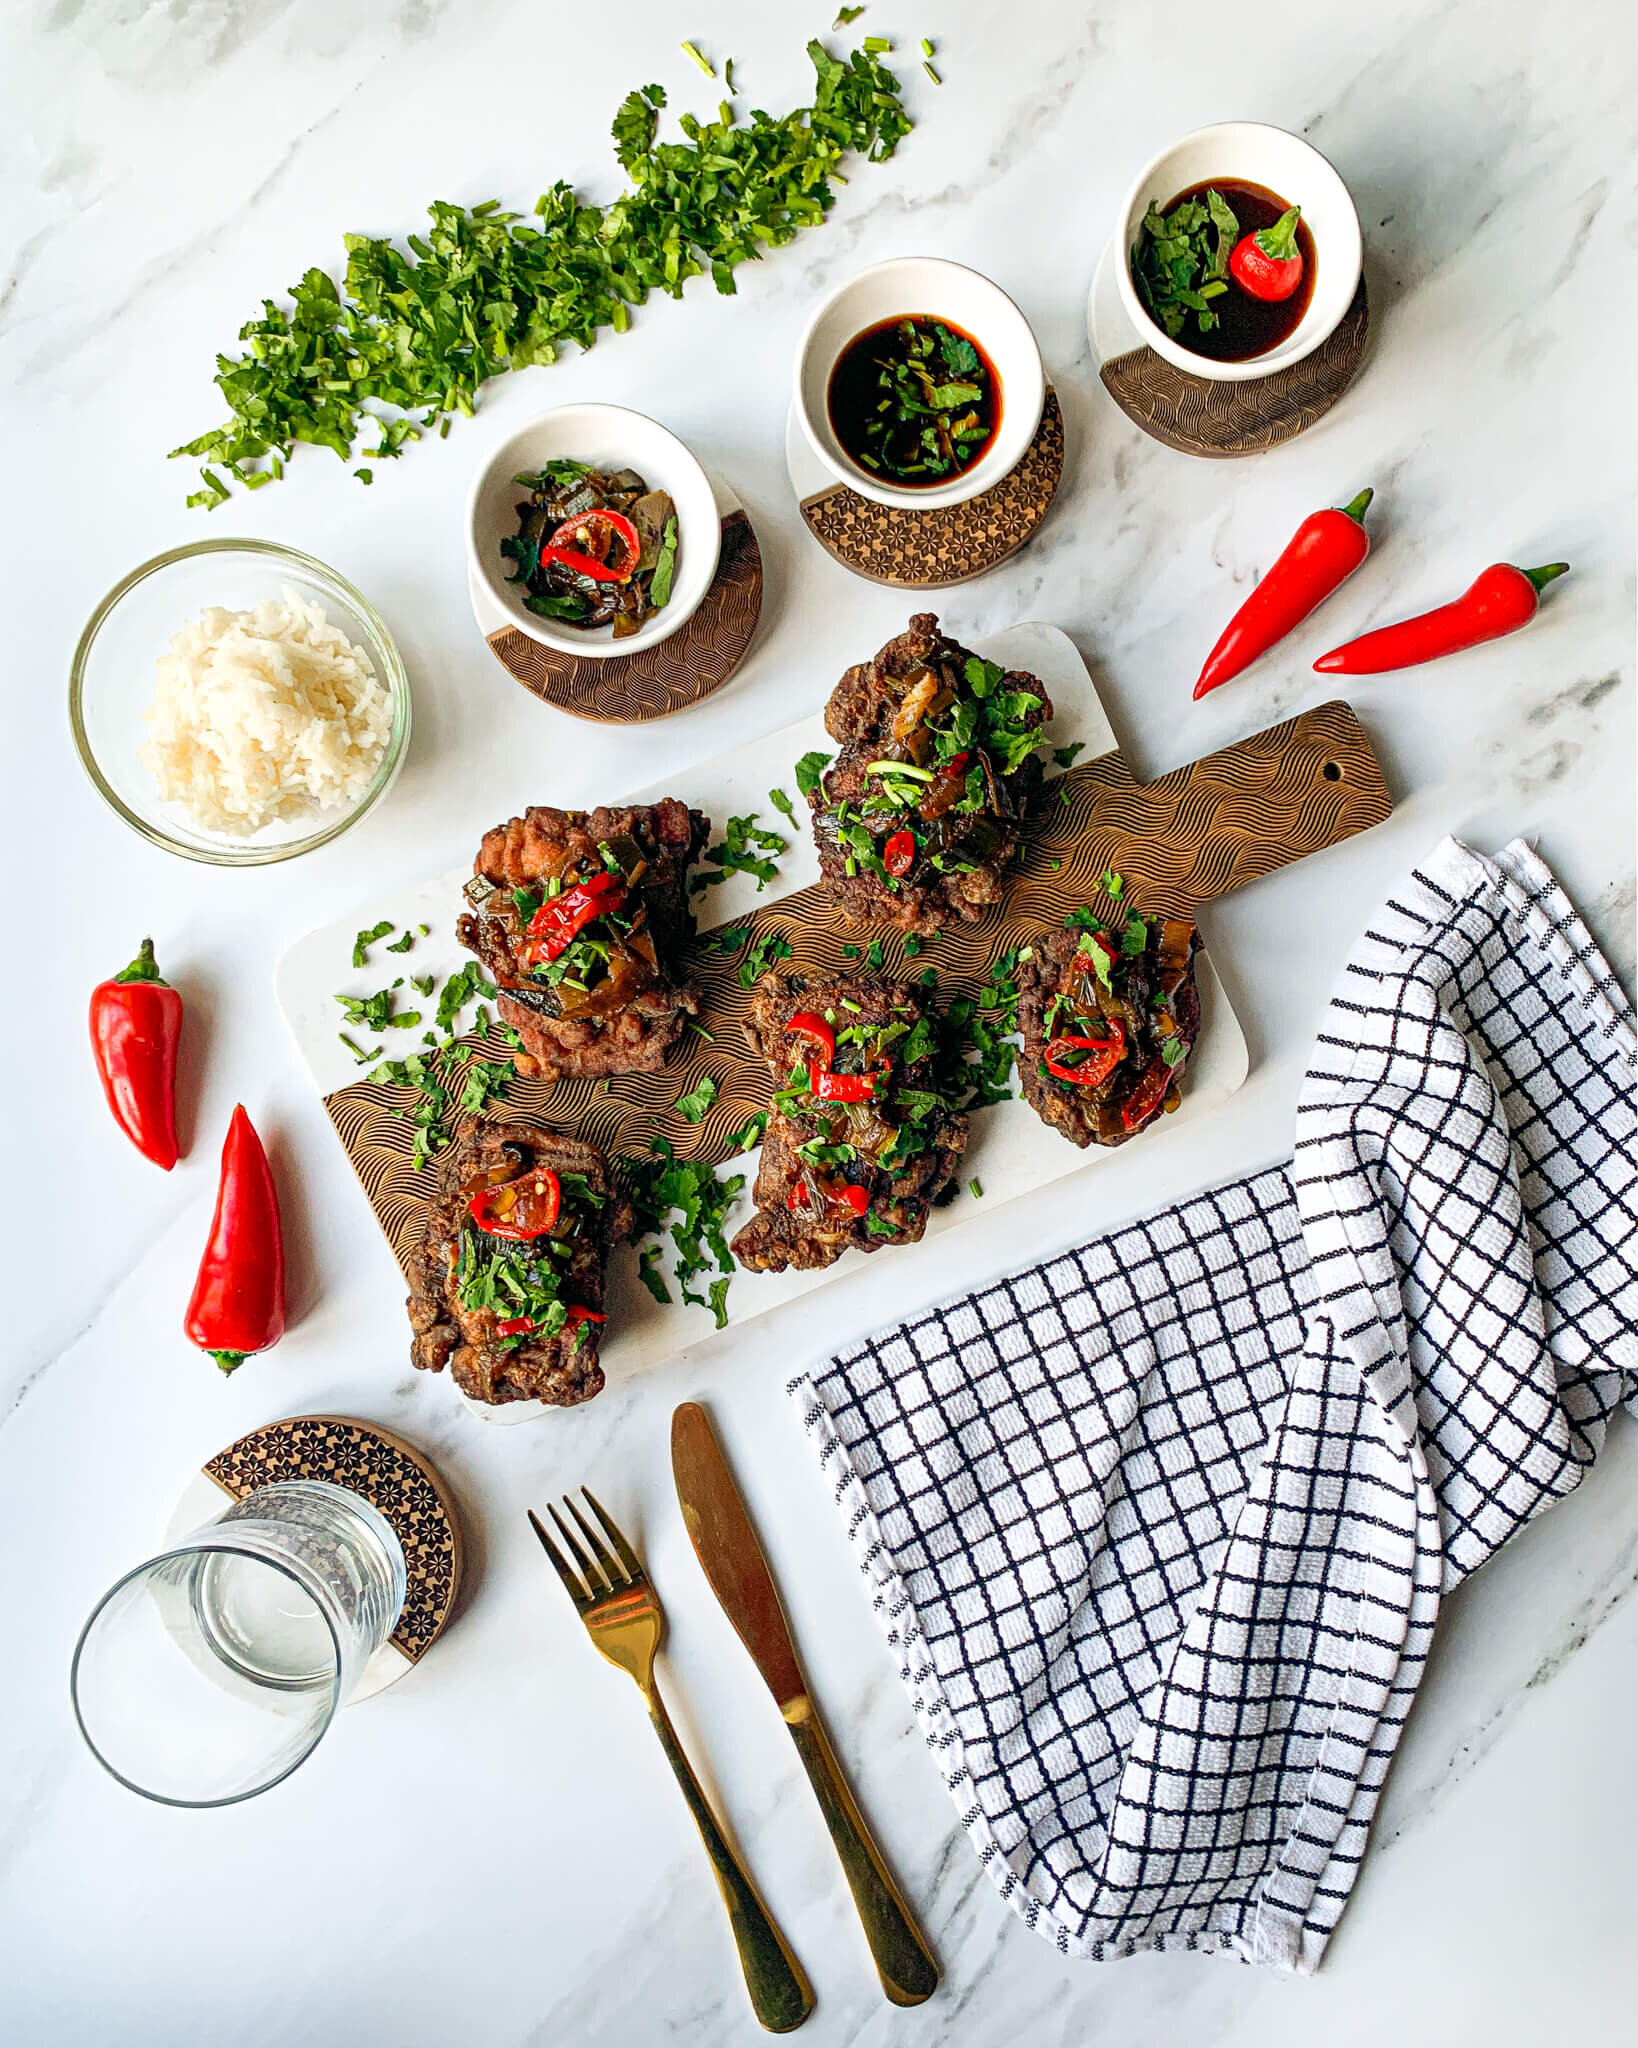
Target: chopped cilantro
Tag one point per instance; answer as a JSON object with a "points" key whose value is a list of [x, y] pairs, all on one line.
{"points": [[697, 1101], [685, 1196], [741, 852], [781, 802], [402, 945], [406, 340], [770, 948], [365, 940], [809, 770], [749, 1135]]}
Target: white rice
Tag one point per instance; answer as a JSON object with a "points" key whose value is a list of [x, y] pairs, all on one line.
{"points": [[264, 717]]}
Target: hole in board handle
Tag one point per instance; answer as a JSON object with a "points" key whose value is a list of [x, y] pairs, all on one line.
{"points": [[1332, 771]]}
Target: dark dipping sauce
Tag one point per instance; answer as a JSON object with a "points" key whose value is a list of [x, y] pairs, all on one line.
{"points": [[1248, 327], [914, 400]]}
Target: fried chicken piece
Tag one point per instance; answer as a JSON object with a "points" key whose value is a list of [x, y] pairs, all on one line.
{"points": [[900, 1145], [1146, 998], [455, 1258], [618, 1011], [958, 728]]}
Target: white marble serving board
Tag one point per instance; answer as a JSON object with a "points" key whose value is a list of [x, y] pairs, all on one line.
{"points": [[1010, 1151]]}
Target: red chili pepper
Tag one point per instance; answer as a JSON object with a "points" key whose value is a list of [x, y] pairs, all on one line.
{"points": [[1499, 600], [237, 1304], [832, 1087], [1319, 558], [899, 853], [1103, 1055], [582, 528], [136, 1022], [514, 1326], [557, 923], [1149, 1093], [810, 1025], [577, 1314], [1268, 264], [838, 1195], [521, 1209]]}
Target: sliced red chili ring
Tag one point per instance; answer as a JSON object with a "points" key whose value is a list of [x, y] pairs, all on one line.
{"points": [[1100, 1058], [519, 1209], [557, 922], [515, 1327], [1146, 1096], [568, 545], [810, 1025], [833, 1087], [899, 853], [577, 1314]]}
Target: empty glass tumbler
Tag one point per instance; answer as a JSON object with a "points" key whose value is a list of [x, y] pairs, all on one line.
{"points": [[210, 1672]]}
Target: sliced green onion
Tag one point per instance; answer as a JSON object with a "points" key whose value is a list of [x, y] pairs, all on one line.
{"points": [[932, 74], [689, 50], [908, 769]]}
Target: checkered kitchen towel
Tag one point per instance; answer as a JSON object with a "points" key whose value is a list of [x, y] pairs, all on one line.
{"points": [[1159, 1529]]}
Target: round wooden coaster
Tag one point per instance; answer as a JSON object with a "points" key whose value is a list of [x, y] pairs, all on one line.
{"points": [[393, 1477], [1198, 416], [932, 550], [627, 689]]}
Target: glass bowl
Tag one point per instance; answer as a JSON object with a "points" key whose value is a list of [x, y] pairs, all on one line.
{"points": [[113, 682]]}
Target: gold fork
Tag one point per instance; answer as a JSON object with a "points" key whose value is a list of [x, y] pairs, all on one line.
{"points": [[624, 1618]]}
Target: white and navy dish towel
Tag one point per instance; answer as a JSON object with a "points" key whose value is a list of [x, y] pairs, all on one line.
{"points": [[1159, 1530]]}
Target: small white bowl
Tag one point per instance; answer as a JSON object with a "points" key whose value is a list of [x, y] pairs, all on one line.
{"points": [[1301, 176], [946, 291], [609, 437]]}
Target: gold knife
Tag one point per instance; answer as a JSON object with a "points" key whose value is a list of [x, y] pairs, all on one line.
{"points": [[726, 1544]]}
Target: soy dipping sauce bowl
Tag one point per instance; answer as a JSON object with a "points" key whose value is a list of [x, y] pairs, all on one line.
{"points": [[1259, 155], [939, 290]]}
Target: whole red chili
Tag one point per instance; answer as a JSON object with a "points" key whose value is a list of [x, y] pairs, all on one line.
{"points": [[1147, 1096], [520, 1209], [1100, 1057], [1318, 559], [136, 1023], [1499, 600], [237, 1304], [899, 853], [557, 922], [1267, 265]]}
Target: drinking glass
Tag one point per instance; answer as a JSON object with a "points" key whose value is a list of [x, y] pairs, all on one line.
{"points": [[210, 1672]]}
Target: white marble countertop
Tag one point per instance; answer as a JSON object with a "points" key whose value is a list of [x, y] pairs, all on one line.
{"points": [[492, 1852]]}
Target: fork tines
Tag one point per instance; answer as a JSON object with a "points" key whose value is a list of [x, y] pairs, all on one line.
{"points": [[592, 1582]]}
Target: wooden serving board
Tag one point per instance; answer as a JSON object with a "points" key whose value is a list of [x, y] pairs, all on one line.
{"points": [[1179, 842]]}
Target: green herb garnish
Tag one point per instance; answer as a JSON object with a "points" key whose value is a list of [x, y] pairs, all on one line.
{"points": [[769, 949], [697, 1101], [738, 855], [810, 769], [1180, 260], [781, 802], [482, 290], [365, 940], [665, 568]]}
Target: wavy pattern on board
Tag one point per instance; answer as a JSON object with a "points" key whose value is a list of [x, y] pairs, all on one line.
{"points": [[1177, 842]]}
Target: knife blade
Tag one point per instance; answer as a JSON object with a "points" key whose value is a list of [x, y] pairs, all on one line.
{"points": [[731, 1556]]}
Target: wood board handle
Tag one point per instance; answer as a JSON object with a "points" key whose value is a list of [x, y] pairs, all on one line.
{"points": [[1202, 830]]}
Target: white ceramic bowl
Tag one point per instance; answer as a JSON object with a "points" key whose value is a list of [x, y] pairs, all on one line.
{"points": [[947, 291], [1302, 177], [609, 437]]}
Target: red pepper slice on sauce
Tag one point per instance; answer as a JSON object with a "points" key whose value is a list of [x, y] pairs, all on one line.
{"points": [[519, 1209], [1102, 1056], [833, 1087], [1499, 600], [569, 545], [810, 1025], [556, 923], [1150, 1091], [899, 853], [1315, 563]]}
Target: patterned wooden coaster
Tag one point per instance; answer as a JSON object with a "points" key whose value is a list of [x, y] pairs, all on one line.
{"points": [[932, 550], [1201, 417], [627, 689], [1179, 842], [394, 1478]]}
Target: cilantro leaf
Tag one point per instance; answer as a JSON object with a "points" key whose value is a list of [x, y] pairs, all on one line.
{"points": [[809, 770], [365, 940]]}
